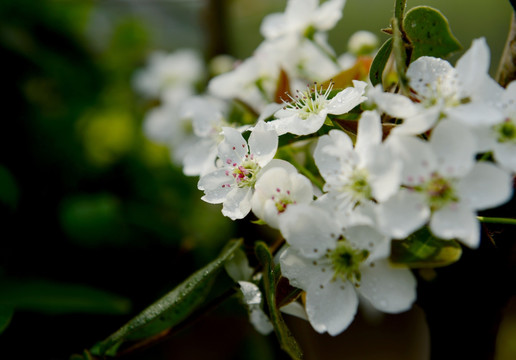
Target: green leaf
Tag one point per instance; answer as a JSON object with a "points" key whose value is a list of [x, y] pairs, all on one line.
{"points": [[399, 9], [399, 49], [379, 62], [6, 314], [270, 279], [430, 33], [171, 309], [59, 298], [424, 250], [8, 188]]}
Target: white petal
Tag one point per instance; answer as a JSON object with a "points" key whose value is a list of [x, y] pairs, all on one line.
{"points": [[423, 121], [389, 289], [200, 159], [297, 126], [347, 99], [302, 272], [288, 167], [505, 155], [330, 153], [269, 110], [475, 114], [328, 14], [455, 155], [251, 293], [273, 25], [472, 65], [233, 148], [367, 237], [486, 186], [417, 156], [331, 308], [309, 229], [215, 186], [509, 96], [237, 203], [253, 299], [369, 131], [263, 143], [385, 171], [295, 309], [456, 221], [402, 214], [427, 71], [396, 105], [238, 266]]}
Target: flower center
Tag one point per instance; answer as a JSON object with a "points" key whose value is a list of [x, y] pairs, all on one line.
{"points": [[245, 173], [282, 199], [440, 93], [358, 185], [439, 192], [346, 262], [309, 102], [506, 131]]}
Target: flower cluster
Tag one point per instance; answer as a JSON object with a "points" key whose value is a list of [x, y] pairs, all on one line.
{"points": [[264, 142]]}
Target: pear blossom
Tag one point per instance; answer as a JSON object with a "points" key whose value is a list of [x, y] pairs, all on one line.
{"points": [[239, 270], [336, 265], [253, 298], [208, 117], [357, 176], [241, 163], [169, 72], [441, 91], [253, 81], [443, 186], [277, 188], [301, 17], [308, 110], [500, 138], [191, 129]]}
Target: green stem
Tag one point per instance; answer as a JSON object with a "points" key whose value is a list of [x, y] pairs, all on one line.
{"points": [[399, 10], [496, 220], [317, 182]]}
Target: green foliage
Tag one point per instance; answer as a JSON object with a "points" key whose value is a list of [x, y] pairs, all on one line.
{"points": [[59, 298], [422, 31], [93, 220], [6, 314], [8, 188], [171, 309], [424, 250], [271, 278], [429, 33], [379, 62]]}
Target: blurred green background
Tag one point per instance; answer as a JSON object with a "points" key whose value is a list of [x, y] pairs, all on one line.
{"points": [[96, 222]]}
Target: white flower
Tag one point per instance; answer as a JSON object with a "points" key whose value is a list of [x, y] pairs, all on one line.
{"points": [[500, 138], [362, 42], [361, 174], [239, 270], [302, 16], [334, 266], [308, 110], [191, 129], [277, 188], [207, 116], [168, 72], [233, 183], [253, 81], [444, 92], [252, 297], [443, 185]]}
